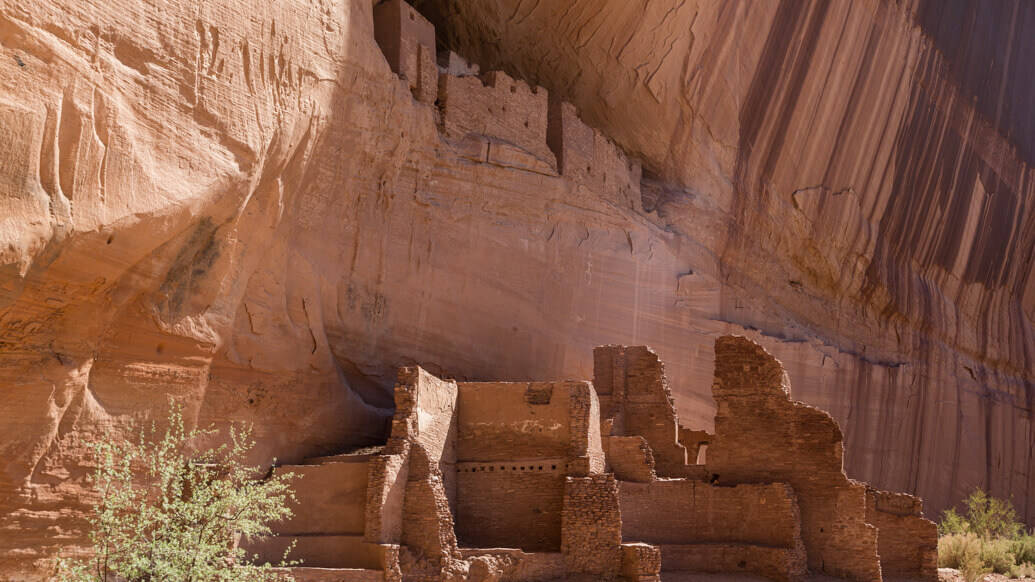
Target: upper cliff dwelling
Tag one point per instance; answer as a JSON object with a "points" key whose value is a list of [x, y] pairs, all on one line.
{"points": [[383, 233]]}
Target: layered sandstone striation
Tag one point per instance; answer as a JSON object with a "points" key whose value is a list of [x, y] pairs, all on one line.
{"points": [[526, 481], [264, 209]]}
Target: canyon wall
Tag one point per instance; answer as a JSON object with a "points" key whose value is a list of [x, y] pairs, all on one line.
{"points": [[240, 206]]}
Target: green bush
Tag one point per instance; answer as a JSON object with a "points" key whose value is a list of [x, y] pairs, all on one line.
{"points": [[986, 538], [169, 513], [991, 517], [952, 523]]}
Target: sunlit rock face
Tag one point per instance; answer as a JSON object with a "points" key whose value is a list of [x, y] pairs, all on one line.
{"points": [[239, 205]]}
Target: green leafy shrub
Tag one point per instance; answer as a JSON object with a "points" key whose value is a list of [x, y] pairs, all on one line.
{"points": [[991, 517], [952, 523], [986, 538], [169, 513]]}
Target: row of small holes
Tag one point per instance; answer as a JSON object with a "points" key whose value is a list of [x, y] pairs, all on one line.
{"points": [[502, 468]]}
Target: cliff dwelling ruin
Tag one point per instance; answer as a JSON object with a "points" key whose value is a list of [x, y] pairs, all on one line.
{"points": [[534, 481]]}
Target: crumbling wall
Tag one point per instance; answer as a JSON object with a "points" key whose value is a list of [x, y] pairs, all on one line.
{"points": [[761, 435], [641, 562], [906, 542], [511, 565], [696, 443], [639, 402]]}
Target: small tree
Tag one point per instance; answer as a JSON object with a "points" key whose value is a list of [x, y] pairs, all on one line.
{"points": [[986, 516], [169, 513]]}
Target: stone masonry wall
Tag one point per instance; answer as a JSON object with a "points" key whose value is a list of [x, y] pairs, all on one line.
{"points": [[681, 511], [510, 509], [585, 448], [779, 564], [592, 526], [906, 542], [761, 435]]}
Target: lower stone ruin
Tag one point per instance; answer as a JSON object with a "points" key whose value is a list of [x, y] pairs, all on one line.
{"points": [[572, 480]]}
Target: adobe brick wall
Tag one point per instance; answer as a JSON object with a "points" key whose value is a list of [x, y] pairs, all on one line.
{"points": [[640, 403], [508, 508], [590, 159], [591, 529], [762, 435], [906, 542], [688, 512], [505, 420], [499, 107]]}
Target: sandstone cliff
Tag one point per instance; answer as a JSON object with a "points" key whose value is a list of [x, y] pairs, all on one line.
{"points": [[241, 205]]}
